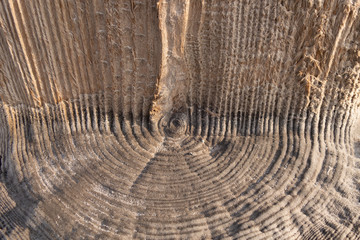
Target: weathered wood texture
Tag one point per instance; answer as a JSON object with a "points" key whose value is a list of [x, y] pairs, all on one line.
{"points": [[181, 119]]}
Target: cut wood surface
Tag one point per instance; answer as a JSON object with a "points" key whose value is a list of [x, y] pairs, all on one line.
{"points": [[179, 119]]}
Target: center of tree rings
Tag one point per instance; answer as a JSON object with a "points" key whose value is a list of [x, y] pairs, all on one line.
{"points": [[176, 125]]}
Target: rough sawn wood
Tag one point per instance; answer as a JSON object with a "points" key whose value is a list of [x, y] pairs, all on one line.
{"points": [[181, 119]]}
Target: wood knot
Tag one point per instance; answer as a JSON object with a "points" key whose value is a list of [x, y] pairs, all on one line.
{"points": [[176, 125]]}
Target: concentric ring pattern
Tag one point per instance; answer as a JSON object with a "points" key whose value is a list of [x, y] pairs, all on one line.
{"points": [[179, 119]]}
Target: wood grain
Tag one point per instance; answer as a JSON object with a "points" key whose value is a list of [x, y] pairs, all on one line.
{"points": [[179, 119]]}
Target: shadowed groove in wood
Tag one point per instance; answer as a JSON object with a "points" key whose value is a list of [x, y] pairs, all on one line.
{"points": [[179, 119]]}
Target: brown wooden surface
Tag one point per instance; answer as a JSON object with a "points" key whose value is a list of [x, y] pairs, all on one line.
{"points": [[179, 119]]}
